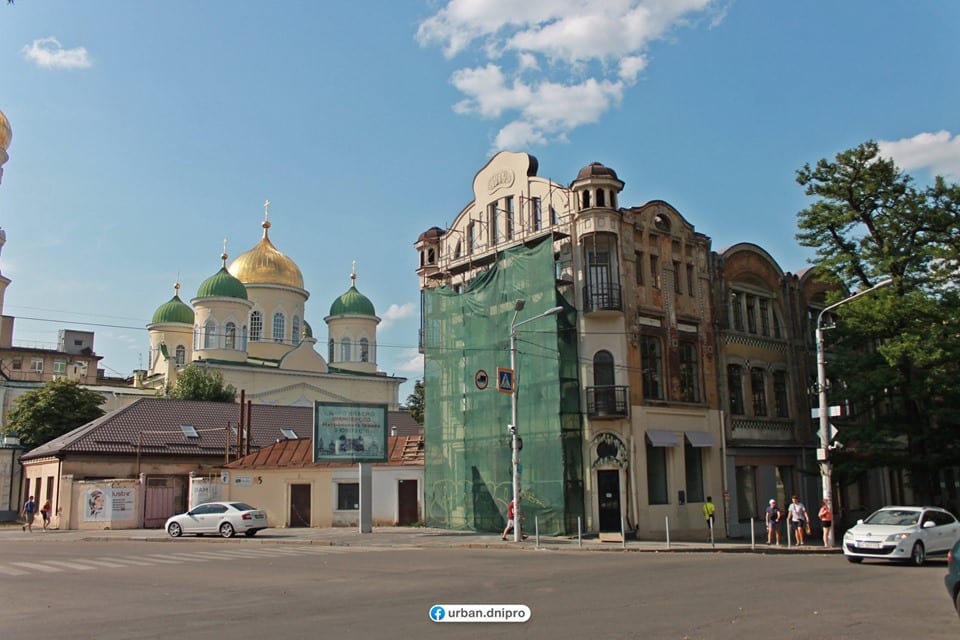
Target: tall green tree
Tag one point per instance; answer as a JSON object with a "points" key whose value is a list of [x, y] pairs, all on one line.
{"points": [[195, 383], [894, 355], [415, 402], [56, 408]]}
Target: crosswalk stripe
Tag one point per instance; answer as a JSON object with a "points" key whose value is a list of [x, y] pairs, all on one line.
{"points": [[69, 565], [162, 559], [10, 571], [36, 566], [133, 561], [102, 562]]}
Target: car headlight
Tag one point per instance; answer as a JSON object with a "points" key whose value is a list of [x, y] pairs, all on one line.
{"points": [[897, 537]]}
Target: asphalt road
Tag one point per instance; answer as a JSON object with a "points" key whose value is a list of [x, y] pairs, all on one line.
{"points": [[200, 589]]}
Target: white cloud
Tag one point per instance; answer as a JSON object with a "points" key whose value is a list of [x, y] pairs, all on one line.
{"points": [[50, 54], [410, 362], [552, 50], [939, 153], [397, 312]]}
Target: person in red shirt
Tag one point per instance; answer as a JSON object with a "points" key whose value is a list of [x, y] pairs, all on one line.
{"points": [[826, 521], [511, 517]]}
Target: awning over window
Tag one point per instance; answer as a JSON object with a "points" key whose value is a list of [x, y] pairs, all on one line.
{"points": [[699, 439], [663, 438]]}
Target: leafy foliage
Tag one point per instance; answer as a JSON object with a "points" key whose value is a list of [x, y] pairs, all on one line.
{"points": [[896, 351], [196, 383], [56, 408], [415, 402]]}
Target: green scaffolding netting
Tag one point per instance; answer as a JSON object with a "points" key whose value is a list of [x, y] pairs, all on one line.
{"points": [[468, 447]]}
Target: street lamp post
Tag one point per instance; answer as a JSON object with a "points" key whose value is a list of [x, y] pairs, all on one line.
{"points": [[514, 437], [823, 453]]}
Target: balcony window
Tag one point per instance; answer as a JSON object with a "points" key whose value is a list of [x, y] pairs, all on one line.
{"points": [[652, 362], [602, 289]]}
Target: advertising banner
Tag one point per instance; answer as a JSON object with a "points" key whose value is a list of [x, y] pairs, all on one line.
{"points": [[349, 432]]}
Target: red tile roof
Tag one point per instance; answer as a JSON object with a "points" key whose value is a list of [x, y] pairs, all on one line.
{"points": [[403, 451]]}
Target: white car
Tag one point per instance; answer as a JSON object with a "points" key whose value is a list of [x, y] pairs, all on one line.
{"points": [[225, 518], [908, 534]]}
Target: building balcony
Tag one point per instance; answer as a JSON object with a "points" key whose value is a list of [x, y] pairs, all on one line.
{"points": [[607, 402], [602, 297]]}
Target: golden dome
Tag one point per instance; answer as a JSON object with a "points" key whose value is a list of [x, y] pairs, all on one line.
{"points": [[264, 264], [6, 133]]}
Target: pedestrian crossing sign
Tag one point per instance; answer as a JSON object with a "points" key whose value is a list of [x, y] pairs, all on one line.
{"points": [[504, 380]]}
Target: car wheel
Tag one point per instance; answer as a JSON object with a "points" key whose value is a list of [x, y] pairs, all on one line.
{"points": [[854, 559], [174, 530], [226, 530], [956, 602], [250, 533], [918, 556]]}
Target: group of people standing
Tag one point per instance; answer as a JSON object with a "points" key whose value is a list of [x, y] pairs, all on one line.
{"points": [[799, 521], [29, 513]]}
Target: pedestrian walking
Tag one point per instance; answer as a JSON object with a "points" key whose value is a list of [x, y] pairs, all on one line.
{"points": [[28, 512], [799, 519], [773, 522], [45, 514], [709, 509], [826, 521], [511, 521]]}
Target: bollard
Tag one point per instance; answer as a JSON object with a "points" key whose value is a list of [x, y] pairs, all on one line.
{"points": [[753, 534], [579, 533], [536, 525], [713, 543], [666, 521], [623, 533]]}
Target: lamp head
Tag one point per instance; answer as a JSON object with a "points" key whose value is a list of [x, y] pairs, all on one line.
{"points": [[519, 304]]}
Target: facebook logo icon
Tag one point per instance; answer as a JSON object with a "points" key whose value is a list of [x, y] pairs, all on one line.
{"points": [[437, 613]]}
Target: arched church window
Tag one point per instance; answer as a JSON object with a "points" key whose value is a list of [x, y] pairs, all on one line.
{"points": [[181, 355], [256, 326], [230, 336], [279, 327], [209, 335], [330, 349], [345, 350], [364, 350]]}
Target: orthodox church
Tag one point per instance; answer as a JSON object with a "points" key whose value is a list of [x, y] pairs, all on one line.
{"points": [[247, 321]]}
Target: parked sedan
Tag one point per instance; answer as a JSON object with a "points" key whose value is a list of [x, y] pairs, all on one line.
{"points": [[952, 579], [225, 518], [908, 534]]}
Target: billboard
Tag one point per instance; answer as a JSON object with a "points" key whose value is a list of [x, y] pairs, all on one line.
{"points": [[349, 432]]}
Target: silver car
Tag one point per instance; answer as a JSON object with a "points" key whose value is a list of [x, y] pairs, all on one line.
{"points": [[907, 534], [224, 518]]}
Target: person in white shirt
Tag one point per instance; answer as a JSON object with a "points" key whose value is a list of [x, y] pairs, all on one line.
{"points": [[799, 519]]}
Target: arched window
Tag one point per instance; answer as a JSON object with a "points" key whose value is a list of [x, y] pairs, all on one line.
{"points": [[600, 200], [209, 335], [181, 355], [230, 336], [364, 350], [603, 369], [586, 199], [330, 350], [279, 326], [196, 337], [295, 326], [256, 326], [652, 359], [243, 338], [345, 350]]}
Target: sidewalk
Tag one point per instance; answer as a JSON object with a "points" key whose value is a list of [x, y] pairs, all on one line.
{"points": [[422, 537]]}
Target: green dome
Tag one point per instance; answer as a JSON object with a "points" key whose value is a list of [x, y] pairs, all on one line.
{"points": [[174, 310], [352, 303], [222, 285], [307, 330]]}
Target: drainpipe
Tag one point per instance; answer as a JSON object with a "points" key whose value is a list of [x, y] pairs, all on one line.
{"points": [[723, 471]]}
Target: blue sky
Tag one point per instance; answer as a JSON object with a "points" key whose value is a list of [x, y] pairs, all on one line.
{"points": [[144, 133]]}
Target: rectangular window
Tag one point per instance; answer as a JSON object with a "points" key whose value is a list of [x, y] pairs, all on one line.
{"points": [[691, 281], [735, 388], [655, 272], [638, 259], [36, 365], [17, 363], [693, 460], [537, 213], [492, 222], [656, 475], [752, 314], [746, 493], [764, 317], [553, 216], [652, 363], [759, 390], [736, 311], [509, 217], [348, 496], [780, 394], [471, 238], [59, 367], [689, 373], [676, 277]]}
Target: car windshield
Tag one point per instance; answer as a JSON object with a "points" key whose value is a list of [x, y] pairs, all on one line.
{"points": [[895, 517], [242, 506]]}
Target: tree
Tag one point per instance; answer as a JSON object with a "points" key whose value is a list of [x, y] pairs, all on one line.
{"points": [[56, 408], [894, 355], [415, 402], [196, 383]]}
